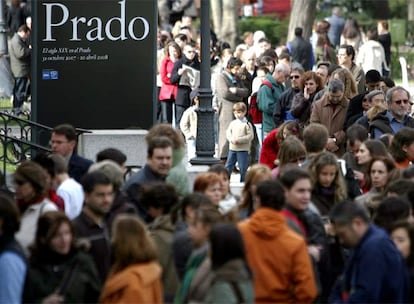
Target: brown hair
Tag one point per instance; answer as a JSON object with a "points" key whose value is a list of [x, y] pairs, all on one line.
{"points": [[255, 174], [175, 46], [47, 226], [289, 149], [131, 243], [389, 164], [240, 106], [166, 130], [204, 179], [292, 127], [309, 75], [348, 80]]}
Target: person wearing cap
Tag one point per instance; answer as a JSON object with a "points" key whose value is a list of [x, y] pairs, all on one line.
{"points": [[30, 192], [188, 125]]}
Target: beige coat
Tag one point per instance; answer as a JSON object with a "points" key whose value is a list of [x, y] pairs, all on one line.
{"points": [[323, 113], [242, 131], [188, 123]]}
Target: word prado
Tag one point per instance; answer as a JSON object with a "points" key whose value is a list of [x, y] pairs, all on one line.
{"points": [[98, 30]]}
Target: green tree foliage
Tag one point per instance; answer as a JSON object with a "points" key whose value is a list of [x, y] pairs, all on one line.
{"points": [[274, 28]]}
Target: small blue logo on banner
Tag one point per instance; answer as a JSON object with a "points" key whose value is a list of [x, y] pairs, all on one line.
{"points": [[50, 74]]}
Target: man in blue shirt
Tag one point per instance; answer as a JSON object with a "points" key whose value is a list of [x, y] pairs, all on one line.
{"points": [[375, 272], [397, 116]]}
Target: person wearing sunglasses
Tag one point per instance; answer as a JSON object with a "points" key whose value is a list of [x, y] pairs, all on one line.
{"points": [[281, 112], [396, 116]]}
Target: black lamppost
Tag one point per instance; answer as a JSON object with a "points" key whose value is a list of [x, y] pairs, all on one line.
{"points": [[205, 112], [3, 30]]}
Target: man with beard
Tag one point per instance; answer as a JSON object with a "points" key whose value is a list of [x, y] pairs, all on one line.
{"points": [[90, 224], [390, 121], [375, 271]]}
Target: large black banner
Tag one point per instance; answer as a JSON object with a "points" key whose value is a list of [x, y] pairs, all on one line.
{"points": [[94, 63]]}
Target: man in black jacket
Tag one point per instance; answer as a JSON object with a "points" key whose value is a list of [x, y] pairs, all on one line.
{"points": [[283, 104], [301, 50], [63, 142]]}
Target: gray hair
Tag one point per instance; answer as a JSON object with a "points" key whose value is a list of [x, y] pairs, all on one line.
{"points": [[374, 93], [390, 92], [111, 170], [280, 67], [336, 85]]}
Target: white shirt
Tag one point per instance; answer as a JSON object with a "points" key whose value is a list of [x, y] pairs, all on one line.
{"points": [[72, 193], [28, 225]]}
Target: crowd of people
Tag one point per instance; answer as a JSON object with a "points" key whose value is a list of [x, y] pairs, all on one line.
{"points": [[324, 143]]}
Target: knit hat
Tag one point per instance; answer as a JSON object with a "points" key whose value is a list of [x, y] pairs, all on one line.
{"points": [[194, 93], [33, 173]]}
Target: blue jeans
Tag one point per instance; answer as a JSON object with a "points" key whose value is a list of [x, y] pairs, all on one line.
{"points": [[19, 92], [242, 157]]}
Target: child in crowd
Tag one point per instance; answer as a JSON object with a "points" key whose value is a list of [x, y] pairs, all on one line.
{"points": [[240, 135], [188, 125], [328, 183]]}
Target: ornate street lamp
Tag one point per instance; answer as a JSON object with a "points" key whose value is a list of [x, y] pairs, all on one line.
{"points": [[205, 113]]}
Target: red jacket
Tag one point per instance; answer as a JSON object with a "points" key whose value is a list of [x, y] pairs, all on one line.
{"points": [[270, 150], [168, 90]]}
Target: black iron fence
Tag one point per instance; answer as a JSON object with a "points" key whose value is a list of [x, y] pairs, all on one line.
{"points": [[21, 139]]}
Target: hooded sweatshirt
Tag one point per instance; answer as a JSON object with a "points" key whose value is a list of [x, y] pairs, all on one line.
{"points": [[279, 259], [138, 283]]}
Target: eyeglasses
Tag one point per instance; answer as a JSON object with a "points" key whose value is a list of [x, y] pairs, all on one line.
{"points": [[297, 160], [58, 142], [405, 101], [20, 182], [294, 76], [342, 55]]}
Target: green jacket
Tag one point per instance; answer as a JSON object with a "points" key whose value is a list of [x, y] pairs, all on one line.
{"points": [[178, 174], [231, 282], [266, 100]]}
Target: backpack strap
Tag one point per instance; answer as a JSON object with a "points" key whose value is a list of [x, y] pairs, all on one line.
{"points": [[237, 291], [267, 83]]}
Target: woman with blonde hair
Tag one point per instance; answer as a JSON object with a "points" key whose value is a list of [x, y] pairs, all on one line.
{"points": [[135, 275], [349, 82], [256, 174]]}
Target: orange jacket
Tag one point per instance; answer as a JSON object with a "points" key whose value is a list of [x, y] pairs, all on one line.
{"points": [[279, 259], [138, 283]]}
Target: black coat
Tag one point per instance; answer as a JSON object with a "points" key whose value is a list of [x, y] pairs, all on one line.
{"points": [[45, 277], [183, 91], [78, 167]]}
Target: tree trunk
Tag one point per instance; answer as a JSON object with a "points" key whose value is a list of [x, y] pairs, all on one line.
{"points": [[302, 15], [410, 10], [229, 25], [224, 15], [216, 7]]}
